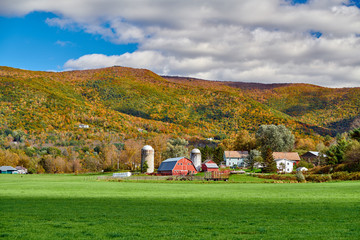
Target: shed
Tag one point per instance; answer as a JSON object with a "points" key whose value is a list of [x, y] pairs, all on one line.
{"points": [[7, 170], [302, 169], [21, 170], [177, 166], [209, 166], [313, 157]]}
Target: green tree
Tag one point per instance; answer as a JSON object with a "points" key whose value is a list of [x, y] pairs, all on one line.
{"points": [[355, 134], [335, 154], [352, 155], [269, 163], [275, 138], [254, 157], [176, 147]]}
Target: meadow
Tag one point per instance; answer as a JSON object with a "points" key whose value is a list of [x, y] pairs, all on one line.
{"points": [[81, 207]]}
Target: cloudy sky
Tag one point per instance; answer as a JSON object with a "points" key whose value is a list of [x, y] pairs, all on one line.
{"points": [[314, 41]]}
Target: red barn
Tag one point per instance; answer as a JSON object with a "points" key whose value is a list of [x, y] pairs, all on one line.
{"points": [[209, 166], [177, 166]]}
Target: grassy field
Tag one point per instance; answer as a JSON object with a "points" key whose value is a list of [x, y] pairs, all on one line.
{"points": [[80, 207]]}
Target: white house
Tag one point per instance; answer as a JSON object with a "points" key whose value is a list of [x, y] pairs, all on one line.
{"points": [[285, 161], [235, 158]]}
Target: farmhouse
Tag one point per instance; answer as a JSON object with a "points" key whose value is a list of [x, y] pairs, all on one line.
{"points": [[8, 170], [285, 161], [209, 166], [177, 166], [235, 158]]}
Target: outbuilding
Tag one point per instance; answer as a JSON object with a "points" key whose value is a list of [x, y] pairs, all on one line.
{"points": [[177, 166], [8, 170], [209, 166]]}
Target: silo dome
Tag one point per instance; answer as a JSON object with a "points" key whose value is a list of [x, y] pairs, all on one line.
{"points": [[195, 150], [147, 148]]}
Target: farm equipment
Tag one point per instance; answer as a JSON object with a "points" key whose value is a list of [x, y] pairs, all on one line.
{"points": [[216, 176]]}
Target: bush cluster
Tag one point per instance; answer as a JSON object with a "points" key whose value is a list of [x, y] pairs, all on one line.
{"points": [[278, 177], [318, 178], [344, 167], [345, 176]]}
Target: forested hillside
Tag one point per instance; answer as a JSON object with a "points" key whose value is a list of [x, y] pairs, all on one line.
{"points": [[125, 100]]}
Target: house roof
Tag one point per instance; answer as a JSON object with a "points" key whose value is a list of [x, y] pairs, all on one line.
{"points": [[7, 168], [20, 168], [293, 156], [313, 154], [169, 164], [236, 154]]}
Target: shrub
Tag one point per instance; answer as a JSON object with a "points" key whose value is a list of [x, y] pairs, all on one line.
{"points": [[340, 176], [300, 177], [318, 178]]}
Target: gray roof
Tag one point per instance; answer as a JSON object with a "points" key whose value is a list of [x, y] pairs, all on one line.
{"points": [[211, 165], [169, 164], [7, 168]]}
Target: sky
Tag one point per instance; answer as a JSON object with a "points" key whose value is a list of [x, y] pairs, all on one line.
{"points": [[266, 41]]}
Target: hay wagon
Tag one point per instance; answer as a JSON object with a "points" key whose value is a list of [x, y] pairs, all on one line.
{"points": [[216, 176]]}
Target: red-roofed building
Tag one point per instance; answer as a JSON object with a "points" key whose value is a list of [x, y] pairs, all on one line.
{"points": [[177, 166], [209, 166]]}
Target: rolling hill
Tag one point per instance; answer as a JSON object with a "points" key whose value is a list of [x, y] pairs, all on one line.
{"points": [[137, 102]]}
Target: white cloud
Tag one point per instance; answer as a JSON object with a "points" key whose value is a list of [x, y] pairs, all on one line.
{"points": [[63, 43], [248, 40]]}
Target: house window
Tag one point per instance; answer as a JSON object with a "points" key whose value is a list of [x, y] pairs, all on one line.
{"points": [[288, 163]]}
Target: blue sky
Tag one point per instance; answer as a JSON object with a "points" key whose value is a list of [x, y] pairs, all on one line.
{"points": [[27, 42], [269, 41]]}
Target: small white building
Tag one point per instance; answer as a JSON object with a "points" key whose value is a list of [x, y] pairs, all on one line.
{"points": [[302, 169], [235, 158]]}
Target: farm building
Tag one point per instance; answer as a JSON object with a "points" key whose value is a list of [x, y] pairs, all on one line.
{"points": [[285, 161], [21, 170], [8, 170], [235, 158], [313, 157], [177, 166], [209, 166]]}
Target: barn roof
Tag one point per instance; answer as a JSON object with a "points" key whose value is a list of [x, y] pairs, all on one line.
{"points": [[294, 156], [169, 164], [210, 164], [236, 154], [7, 168]]}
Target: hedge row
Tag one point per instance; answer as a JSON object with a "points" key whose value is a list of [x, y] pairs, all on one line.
{"points": [[344, 176]]}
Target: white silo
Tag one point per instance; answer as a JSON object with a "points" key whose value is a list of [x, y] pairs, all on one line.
{"points": [[195, 157], [147, 155]]}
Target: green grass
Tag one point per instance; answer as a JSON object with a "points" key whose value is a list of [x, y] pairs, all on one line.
{"points": [[79, 207]]}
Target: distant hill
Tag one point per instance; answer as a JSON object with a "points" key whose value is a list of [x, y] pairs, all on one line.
{"points": [[137, 102]]}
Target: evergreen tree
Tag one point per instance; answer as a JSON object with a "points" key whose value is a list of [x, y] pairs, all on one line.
{"points": [[270, 164]]}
